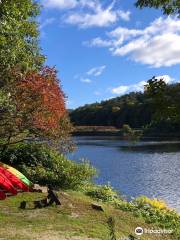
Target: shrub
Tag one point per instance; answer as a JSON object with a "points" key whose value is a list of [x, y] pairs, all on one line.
{"points": [[44, 165], [154, 211], [104, 193], [131, 134], [155, 203]]}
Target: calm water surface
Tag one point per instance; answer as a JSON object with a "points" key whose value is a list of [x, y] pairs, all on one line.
{"points": [[146, 168]]}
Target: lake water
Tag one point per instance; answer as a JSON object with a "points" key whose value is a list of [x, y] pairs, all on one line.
{"points": [[147, 168]]}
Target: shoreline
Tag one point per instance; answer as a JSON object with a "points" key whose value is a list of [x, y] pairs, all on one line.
{"points": [[118, 133]]}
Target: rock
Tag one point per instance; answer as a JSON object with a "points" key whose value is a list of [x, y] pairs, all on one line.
{"points": [[22, 205], [97, 207]]}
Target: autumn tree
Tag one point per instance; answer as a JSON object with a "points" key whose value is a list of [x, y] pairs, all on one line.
{"points": [[19, 52], [32, 104], [34, 108], [169, 7]]}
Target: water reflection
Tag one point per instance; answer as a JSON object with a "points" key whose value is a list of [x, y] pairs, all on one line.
{"points": [[153, 147], [146, 168]]}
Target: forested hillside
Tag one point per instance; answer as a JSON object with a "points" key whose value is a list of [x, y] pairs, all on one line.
{"points": [[136, 109]]}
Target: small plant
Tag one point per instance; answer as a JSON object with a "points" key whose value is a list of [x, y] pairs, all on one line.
{"points": [[111, 227], [131, 134], [130, 237]]}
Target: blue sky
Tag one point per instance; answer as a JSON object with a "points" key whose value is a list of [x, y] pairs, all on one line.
{"points": [[103, 49]]}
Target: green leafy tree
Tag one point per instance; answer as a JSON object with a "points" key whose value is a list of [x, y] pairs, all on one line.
{"points": [[164, 100], [133, 109], [19, 53], [18, 38], [168, 6], [32, 103], [131, 134]]}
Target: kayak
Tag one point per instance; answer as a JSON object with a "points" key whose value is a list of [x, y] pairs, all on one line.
{"points": [[17, 174], [6, 185], [16, 182], [2, 195]]}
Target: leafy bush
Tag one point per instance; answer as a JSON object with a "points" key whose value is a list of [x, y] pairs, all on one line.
{"points": [[104, 193], [155, 203], [154, 211], [44, 165], [131, 134]]}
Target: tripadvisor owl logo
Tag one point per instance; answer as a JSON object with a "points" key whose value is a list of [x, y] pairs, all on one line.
{"points": [[139, 231]]}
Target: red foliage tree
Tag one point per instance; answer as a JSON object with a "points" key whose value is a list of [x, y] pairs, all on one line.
{"points": [[40, 102], [40, 99], [35, 108]]}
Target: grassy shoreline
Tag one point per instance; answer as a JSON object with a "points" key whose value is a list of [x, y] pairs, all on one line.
{"points": [[74, 220]]}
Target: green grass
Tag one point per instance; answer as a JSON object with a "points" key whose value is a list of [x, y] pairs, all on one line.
{"points": [[74, 219]]}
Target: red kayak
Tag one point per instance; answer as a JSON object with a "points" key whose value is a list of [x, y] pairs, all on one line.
{"points": [[6, 185], [16, 182], [2, 195]]}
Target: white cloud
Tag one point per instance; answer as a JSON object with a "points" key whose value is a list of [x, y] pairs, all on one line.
{"points": [[93, 72], [162, 50], [98, 18], [89, 3], [156, 45], [90, 13], [120, 90], [98, 42], [61, 4], [96, 71], [85, 80], [46, 22], [124, 15], [167, 79], [138, 87], [65, 4]]}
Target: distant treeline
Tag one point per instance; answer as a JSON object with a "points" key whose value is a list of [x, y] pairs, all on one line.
{"points": [[135, 109]]}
